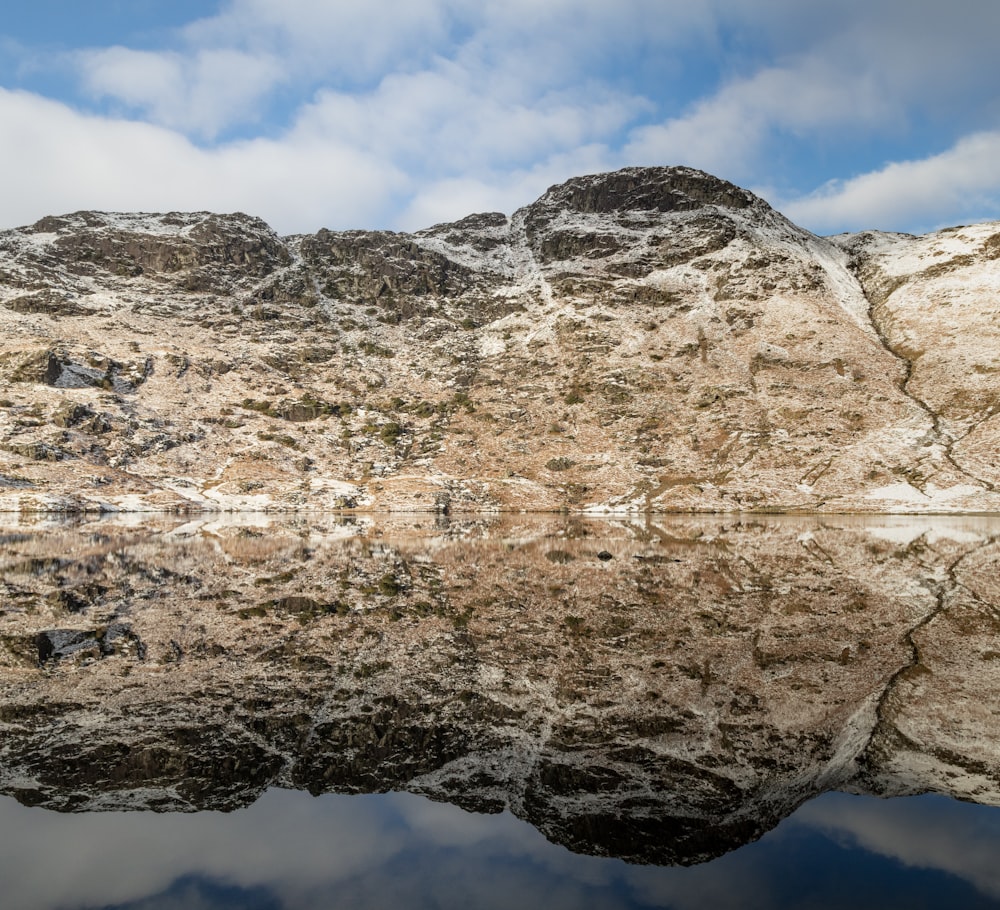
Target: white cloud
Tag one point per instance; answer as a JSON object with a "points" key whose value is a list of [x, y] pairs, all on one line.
{"points": [[288, 841], [366, 41], [57, 160], [466, 149], [449, 199], [953, 837], [399, 113], [360, 41], [960, 184], [446, 122], [224, 68], [203, 93], [382, 851], [416, 149], [729, 132], [483, 103]]}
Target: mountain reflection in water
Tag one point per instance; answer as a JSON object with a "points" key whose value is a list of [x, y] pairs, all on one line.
{"points": [[661, 692]]}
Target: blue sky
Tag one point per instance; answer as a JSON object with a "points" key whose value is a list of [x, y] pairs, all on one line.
{"points": [[403, 113]]}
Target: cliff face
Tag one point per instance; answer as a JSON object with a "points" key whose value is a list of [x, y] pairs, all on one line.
{"points": [[653, 339], [662, 692]]}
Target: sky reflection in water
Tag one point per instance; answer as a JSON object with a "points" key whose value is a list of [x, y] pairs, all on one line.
{"points": [[291, 850]]}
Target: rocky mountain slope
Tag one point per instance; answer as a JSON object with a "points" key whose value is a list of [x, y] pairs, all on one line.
{"points": [[661, 691], [653, 339]]}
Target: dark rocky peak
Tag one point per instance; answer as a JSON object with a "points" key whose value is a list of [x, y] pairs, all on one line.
{"points": [[482, 221], [629, 223], [239, 240], [136, 222], [635, 220], [645, 189], [210, 250], [202, 226]]}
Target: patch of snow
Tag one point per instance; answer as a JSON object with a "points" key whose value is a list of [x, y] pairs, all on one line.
{"points": [[131, 502], [931, 496], [903, 255], [938, 532], [772, 352], [845, 286], [948, 494], [37, 240], [492, 345], [899, 492], [854, 738], [332, 485], [163, 225], [220, 521], [231, 502], [902, 534]]}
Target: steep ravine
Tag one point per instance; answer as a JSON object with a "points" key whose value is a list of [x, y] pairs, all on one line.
{"points": [[941, 437], [923, 291]]}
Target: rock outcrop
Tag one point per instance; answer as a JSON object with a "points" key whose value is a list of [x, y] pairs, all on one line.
{"points": [[650, 340]]}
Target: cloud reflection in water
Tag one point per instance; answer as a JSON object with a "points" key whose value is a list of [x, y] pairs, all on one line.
{"points": [[293, 851]]}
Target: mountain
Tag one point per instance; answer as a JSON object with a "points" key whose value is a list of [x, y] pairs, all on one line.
{"points": [[653, 339]]}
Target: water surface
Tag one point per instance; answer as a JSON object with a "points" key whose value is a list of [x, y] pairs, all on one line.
{"points": [[496, 712]]}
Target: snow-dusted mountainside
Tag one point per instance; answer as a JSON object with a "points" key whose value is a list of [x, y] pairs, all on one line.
{"points": [[652, 339]]}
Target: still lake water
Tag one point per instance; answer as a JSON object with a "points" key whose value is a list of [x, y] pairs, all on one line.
{"points": [[320, 712]]}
